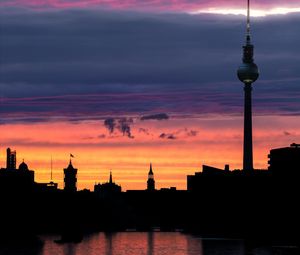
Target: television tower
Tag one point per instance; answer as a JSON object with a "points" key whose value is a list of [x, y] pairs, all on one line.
{"points": [[248, 73]]}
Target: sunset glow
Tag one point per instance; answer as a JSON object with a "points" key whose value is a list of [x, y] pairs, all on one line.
{"points": [[260, 8], [122, 84], [254, 12], [211, 140]]}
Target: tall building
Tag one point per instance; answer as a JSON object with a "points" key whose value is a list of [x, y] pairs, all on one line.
{"points": [[11, 159], [285, 161], [248, 73], [151, 181], [70, 178]]}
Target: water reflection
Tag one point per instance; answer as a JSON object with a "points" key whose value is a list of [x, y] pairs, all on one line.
{"points": [[150, 244], [194, 245], [21, 248], [108, 243], [69, 249], [156, 243], [223, 247]]}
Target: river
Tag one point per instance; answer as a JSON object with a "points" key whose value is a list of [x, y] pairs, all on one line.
{"points": [[148, 243]]}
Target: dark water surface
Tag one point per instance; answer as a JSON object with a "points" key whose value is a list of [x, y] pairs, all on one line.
{"points": [[151, 243]]}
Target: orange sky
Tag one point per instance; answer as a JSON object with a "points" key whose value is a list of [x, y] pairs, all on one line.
{"points": [[215, 140]]}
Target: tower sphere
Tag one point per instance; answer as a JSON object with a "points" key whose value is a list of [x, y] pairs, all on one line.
{"points": [[248, 72]]}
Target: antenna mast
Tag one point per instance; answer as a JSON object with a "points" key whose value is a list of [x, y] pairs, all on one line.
{"points": [[248, 22], [51, 169], [248, 17]]}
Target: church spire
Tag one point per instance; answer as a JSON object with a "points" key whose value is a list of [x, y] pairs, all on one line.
{"points": [[110, 178], [151, 181], [150, 171]]}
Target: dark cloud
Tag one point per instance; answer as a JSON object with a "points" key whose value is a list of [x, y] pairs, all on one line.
{"points": [[181, 133], [81, 64], [124, 126], [191, 133], [144, 130], [160, 116], [167, 136], [110, 124], [287, 133], [121, 124]]}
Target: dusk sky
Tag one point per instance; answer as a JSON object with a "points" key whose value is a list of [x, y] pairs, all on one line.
{"points": [[120, 84]]}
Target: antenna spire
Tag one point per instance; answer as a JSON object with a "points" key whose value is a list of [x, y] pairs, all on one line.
{"points": [[248, 16], [110, 177], [51, 169], [248, 23]]}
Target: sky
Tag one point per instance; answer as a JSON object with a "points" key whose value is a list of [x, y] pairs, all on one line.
{"points": [[120, 84]]}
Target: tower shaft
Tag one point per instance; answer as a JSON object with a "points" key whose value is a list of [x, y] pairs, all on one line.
{"points": [[248, 146]]}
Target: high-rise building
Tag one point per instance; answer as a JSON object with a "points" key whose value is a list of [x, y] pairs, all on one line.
{"points": [[248, 73], [70, 178], [151, 181], [11, 159], [285, 161]]}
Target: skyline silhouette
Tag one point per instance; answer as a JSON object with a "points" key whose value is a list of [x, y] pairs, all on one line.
{"points": [[142, 100], [195, 210], [282, 162]]}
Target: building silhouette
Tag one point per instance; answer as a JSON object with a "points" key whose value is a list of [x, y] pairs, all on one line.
{"points": [[70, 178], [108, 188], [13, 179], [248, 74], [11, 159], [47, 186], [285, 162], [220, 180], [150, 181], [197, 181]]}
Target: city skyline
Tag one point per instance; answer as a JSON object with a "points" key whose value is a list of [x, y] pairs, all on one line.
{"points": [[120, 88]]}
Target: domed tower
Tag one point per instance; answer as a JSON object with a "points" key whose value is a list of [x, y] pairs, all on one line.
{"points": [[23, 166], [248, 73], [151, 181]]}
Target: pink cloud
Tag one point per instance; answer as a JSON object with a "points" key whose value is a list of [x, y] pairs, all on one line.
{"points": [[149, 5]]}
